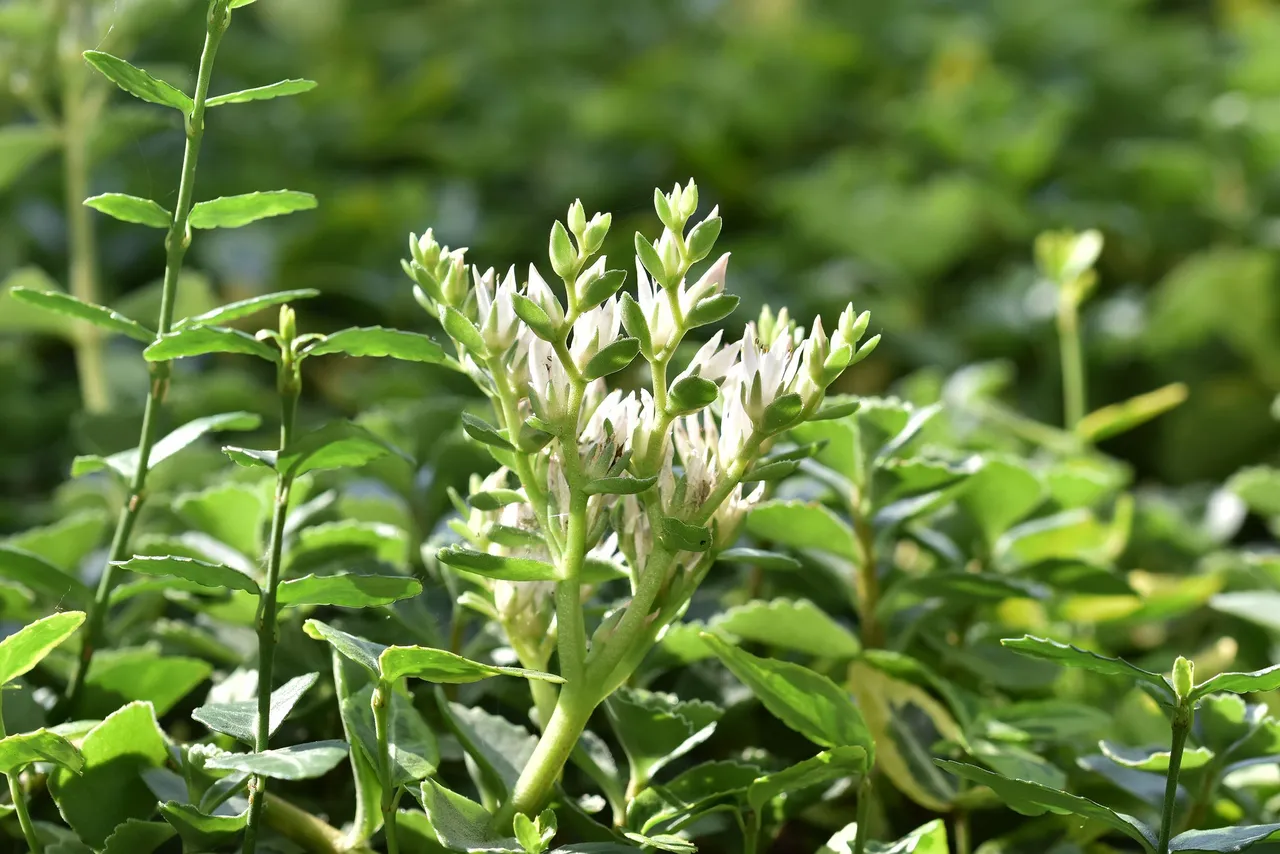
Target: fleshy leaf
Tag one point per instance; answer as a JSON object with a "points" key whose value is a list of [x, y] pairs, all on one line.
{"points": [[280, 89], [139, 83], [1155, 759], [203, 340], [19, 751], [347, 590], [1224, 839], [296, 762], [239, 309], [460, 823], [497, 566], [210, 575], [1071, 656], [498, 746], [823, 769], [760, 558], [41, 577], [27, 647], [239, 719], [340, 444], [1124, 416], [691, 793], [100, 316], [378, 341], [237, 211], [132, 209], [410, 742], [803, 525], [794, 624], [655, 729], [125, 463], [119, 676]]}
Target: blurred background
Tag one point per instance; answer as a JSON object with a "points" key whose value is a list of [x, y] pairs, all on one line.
{"points": [[898, 155]]}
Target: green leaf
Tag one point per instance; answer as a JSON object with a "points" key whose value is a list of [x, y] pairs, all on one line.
{"points": [[957, 589], [19, 751], [1071, 656], [347, 590], [1073, 534], [618, 485], [297, 762], [1033, 799], [929, 838], [22, 146], [712, 310], [280, 89], [663, 842], [612, 358], [125, 463], [689, 394], [340, 444], [338, 539], [1257, 682], [138, 837], [239, 309], [803, 525], [460, 824], [210, 575], [690, 793], [139, 83], [760, 558], [462, 330], [1259, 488], [655, 729], [824, 769], [1224, 839], [237, 211], [999, 495], [25, 648], [364, 774], [203, 340], [495, 499], [378, 341], [109, 790], [412, 745], [132, 209], [806, 701], [240, 719], [42, 578], [251, 457], [1122, 417], [231, 512], [1261, 607], [678, 535], [792, 624], [497, 566], [100, 316], [484, 433], [1156, 758], [202, 832], [782, 413], [499, 747], [120, 676], [361, 651]]}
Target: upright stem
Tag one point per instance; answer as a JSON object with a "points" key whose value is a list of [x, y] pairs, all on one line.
{"points": [[77, 119], [1181, 728], [390, 791], [549, 757], [864, 812], [268, 630], [176, 243], [960, 824], [19, 799], [868, 581], [1073, 390]]}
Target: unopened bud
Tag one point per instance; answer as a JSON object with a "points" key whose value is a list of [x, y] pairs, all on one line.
{"points": [[1182, 677], [288, 324], [577, 219], [453, 289]]}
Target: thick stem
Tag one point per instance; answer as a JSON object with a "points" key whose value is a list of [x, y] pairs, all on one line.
{"points": [[1181, 728], [554, 748], [306, 830], [268, 631], [868, 582], [176, 243], [390, 791], [77, 118], [1073, 388]]}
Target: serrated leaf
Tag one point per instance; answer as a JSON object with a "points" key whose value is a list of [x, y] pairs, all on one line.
{"points": [[42, 578], [340, 444], [139, 83], [138, 837], [804, 700], [792, 624], [240, 719], [125, 463], [1155, 759], [210, 575], [1259, 681], [803, 525], [238, 211], [132, 209], [654, 729], [296, 762], [999, 495], [100, 316], [825, 768], [200, 831], [678, 535], [1224, 839], [690, 793], [27, 647], [501, 748], [239, 309], [203, 340], [379, 342], [19, 751], [1072, 656], [347, 590], [497, 566], [460, 823], [109, 789], [280, 89]]}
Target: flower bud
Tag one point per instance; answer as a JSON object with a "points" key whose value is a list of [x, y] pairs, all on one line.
{"points": [[564, 258], [688, 200], [597, 229], [288, 324], [1182, 677], [669, 253], [453, 289], [577, 219], [425, 250], [1065, 256]]}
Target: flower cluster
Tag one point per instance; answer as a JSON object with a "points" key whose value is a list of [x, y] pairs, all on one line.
{"points": [[652, 480]]}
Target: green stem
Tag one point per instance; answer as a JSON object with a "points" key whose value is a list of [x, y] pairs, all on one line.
{"points": [[77, 119], [751, 834], [1181, 728], [176, 243], [19, 799], [549, 757], [868, 582], [960, 824], [1073, 384], [864, 812], [268, 630], [390, 791]]}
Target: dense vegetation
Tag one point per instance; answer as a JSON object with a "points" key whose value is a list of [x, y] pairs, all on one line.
{"points": [[571, 556]]}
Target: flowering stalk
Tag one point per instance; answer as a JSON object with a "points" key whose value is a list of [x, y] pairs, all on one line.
{"points": [[647, 486]]}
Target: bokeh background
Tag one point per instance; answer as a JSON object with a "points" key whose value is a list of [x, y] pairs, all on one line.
{"points": [[900, 155]]}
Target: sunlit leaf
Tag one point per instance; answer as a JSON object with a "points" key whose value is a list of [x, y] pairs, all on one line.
{"points": [[237, 211]]}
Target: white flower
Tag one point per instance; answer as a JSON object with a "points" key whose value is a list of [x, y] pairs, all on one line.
{"points": [[711, 283], [769, 373], [540, 292], [594, 330], [656, 309], [549, 383], [495, 310], [711, 362]]}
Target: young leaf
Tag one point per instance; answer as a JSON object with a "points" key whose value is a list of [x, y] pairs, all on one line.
{"points": [[803, 525], [347, 590], [792, 624], [1257, 682], [999, 495], [689, 394], [679, 535], [712, 309], [125, 463], [251, 457], [497, 566], [139, 83], [109, 789], [495, 499], [484, 433], [806, 701], [211, 575], [239, 719], [1122, 417], [1224, 839], [19, 751], [460, 823], [233, 311], [782, 413], [655, 729], [297, 762], [103, 318], [42, 578], [412, 745], [27, 647], [612, 359], [760, 558], [462, 330], [620, 485], [202, 832], [339, 444], [378, 341], [1071, 656], [1155, 759], [137, 837], [132, 209], [237, 211], [691, 793], [1033, 799], [824, 769], [280, 89], [203, 340]]}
